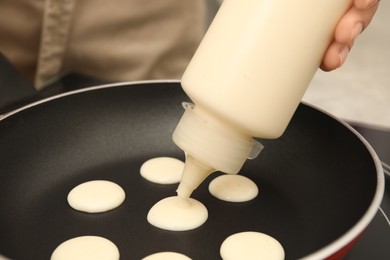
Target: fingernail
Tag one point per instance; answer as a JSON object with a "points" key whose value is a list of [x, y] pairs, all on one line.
{"points": [[356, 30], [343, 54]]}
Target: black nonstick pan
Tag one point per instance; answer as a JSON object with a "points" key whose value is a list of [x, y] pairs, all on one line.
{"points": [[320, 184]]}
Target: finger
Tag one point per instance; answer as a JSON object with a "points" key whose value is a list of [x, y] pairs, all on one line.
{"points": [[364, 4], [353, 23], [335, 56]]}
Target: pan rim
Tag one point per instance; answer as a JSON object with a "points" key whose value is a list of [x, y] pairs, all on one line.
{"points": [[359, 227], [77, 91], [324, 252]]}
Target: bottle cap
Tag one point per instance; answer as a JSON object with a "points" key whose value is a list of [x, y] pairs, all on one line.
{"points": [[213, 144]]}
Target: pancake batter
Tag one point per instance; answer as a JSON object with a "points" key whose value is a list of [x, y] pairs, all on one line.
{"points": [[96, 196]]}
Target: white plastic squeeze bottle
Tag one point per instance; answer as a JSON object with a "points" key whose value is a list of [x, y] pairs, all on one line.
{"points": [[247, 78]]}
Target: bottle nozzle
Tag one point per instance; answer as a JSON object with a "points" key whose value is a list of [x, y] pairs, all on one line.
{"points": [[210, 145], [193, 175]]}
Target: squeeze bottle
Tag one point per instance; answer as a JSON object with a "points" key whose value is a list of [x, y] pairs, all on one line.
{"points": [[246, 80]]}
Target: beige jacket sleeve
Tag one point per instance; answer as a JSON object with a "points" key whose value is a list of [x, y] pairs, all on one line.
{"points": [[109, 39]]}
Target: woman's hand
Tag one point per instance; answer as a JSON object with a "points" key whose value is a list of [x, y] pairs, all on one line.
{"points": [[354, 21]]}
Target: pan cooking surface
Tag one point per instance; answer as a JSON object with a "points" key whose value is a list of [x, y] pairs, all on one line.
{"points": [[315, 182]]}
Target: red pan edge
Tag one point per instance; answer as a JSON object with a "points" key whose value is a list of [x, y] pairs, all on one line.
{"points": [[335, 250]]}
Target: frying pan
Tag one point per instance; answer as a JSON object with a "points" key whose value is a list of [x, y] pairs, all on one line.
{"points": [[320, 184]]}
